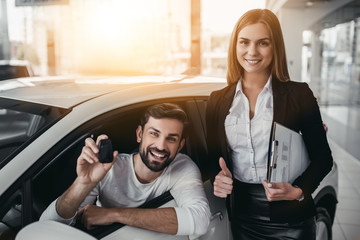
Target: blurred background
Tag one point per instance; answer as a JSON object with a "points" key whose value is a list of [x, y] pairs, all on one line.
{"points": [[61, 37], [157, 37]]}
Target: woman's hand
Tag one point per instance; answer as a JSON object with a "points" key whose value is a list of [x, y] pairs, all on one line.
{"points": [[223, 183], [281, 191]]}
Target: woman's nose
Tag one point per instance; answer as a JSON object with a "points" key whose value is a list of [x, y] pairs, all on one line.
{"points": [[252, 50]]}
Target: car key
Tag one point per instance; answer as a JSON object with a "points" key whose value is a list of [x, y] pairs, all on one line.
{"points": [[105, 151]]}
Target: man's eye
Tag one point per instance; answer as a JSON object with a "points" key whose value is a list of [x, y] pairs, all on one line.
{"points": [[155, 134], [172, 139]]}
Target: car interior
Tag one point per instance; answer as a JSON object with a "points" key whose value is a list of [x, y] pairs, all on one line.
{"points": [[56, 170]]}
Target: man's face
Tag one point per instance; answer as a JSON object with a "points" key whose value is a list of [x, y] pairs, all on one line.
{"points": [[160, 141]]}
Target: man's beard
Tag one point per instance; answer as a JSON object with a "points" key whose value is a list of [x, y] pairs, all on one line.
{"points": [[155, 166]]}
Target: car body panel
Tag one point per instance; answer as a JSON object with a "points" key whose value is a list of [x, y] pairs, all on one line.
{"points": [[331, 181], [47, 229]]}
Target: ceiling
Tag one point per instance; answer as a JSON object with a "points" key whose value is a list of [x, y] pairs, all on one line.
{"points": [[305, 3]]}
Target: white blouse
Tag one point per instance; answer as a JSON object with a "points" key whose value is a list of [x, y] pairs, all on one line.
{"points": [[249, 139]]}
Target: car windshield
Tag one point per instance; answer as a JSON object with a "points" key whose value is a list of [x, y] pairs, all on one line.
{"points": [[20, 123]]}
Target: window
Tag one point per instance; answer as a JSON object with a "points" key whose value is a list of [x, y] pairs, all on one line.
{"points": [[22, 121]]}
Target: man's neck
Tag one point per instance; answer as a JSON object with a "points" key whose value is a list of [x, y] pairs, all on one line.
{"points": [[142, 172]]}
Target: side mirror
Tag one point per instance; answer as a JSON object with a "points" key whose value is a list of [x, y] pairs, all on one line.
{"points": [[44, 230]]}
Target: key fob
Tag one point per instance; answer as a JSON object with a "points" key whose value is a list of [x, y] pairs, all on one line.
{"points": [[105, 151]]}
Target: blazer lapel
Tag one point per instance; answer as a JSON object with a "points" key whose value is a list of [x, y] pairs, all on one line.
{"points": [[223, 112], [280, 101]]}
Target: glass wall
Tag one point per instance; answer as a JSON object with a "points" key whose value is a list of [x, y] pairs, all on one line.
{"points": [[340, 70]]}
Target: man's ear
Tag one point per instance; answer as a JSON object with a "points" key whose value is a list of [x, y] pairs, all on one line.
{"points": [[181, 145], [138, 133]]}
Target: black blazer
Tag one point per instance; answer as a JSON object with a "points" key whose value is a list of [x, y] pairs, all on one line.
{"points": [[294, 107]]}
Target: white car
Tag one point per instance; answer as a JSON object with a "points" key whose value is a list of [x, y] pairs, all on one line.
{"points": [[43, 124]]}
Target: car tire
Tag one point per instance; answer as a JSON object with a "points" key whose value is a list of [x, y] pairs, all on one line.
{"points": [[323, 224]]}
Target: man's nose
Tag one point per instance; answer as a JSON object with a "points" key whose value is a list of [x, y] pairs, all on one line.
{"points": [[161, 143]]}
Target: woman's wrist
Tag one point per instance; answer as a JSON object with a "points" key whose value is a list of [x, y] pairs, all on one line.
{"points": [[300, 194]]}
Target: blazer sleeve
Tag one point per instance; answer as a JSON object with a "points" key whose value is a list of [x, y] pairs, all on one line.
{"points": [[314, 135]]}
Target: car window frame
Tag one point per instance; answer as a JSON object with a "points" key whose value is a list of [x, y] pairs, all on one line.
{"points": [[56, 114]]}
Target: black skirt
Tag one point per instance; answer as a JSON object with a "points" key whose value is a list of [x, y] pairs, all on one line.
{"points": [[250, 217]]}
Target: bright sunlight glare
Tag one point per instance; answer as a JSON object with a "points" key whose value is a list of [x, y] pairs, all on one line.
{"points": [[123, 35], [120, 36]]}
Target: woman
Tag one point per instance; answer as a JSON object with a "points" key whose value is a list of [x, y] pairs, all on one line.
{"points": [[239, 122]]}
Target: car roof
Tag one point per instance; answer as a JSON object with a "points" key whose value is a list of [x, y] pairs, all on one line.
{"points": [[67, 92]]}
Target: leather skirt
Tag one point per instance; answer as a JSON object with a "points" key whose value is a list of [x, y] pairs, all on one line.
{"points": [[250, 217]]}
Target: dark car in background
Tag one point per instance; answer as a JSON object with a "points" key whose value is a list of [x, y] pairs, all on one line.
{"points": [[15, 69]]}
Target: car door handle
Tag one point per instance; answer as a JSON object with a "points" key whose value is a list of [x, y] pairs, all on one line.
{"points": [[218, 215]]}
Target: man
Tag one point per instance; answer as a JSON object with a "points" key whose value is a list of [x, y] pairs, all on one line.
{"points": [[133, 179]]}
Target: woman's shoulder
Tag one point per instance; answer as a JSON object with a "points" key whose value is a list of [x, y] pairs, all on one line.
{"points": [[222, 92], [295, 87], [292, 83]]}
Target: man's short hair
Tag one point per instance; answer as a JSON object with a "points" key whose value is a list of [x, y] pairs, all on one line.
{"points": [[165, 110]]}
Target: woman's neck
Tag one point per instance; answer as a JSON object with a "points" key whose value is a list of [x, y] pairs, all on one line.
{"points": [[254, 80]]}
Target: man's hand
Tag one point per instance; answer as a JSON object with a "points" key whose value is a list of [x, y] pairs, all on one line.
{"points": [[89, 169], [223, 183], [92, 215], [281, 191]]}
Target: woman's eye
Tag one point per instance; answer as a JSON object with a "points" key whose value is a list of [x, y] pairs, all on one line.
{"points": [[263, 43]]}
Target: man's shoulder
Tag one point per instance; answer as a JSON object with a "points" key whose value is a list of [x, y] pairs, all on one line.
{"points": [[182, 157], [183, 161]]}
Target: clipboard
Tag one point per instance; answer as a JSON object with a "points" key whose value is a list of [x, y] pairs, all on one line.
{"points": [[288, 158]]}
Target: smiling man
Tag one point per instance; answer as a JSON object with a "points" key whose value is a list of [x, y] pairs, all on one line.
{"points": [[133, 179]]}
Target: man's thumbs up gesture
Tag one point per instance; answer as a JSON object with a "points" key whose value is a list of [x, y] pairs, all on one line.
{"points": [[223, 183]]}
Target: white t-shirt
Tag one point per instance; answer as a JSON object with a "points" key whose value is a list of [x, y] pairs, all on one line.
{"points": [[121, 188]]}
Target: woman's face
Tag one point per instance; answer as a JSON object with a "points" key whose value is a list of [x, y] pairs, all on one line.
{"points": [[254, 49]]}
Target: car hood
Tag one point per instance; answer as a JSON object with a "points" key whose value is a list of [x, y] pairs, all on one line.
{"points": [[67, 92]]}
